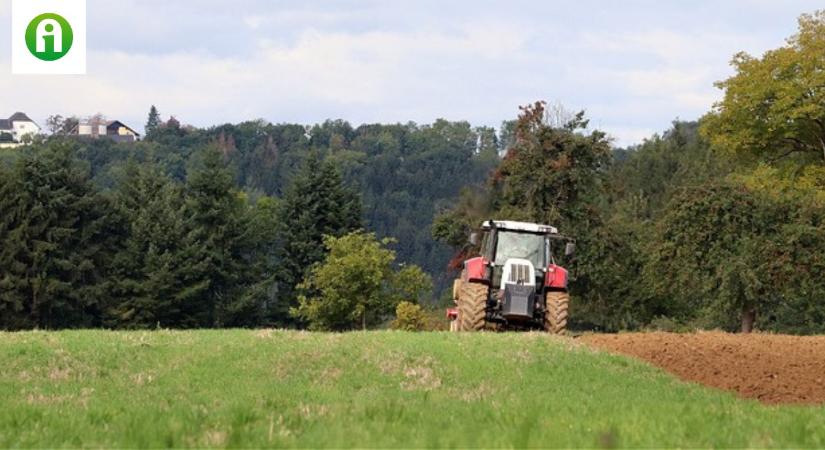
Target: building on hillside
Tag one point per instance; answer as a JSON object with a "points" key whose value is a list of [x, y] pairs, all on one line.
{"points": [[15, 128], [120, 132], [110, 129]]}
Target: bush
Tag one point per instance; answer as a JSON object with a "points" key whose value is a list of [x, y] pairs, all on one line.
{"points": [[409, 317]]}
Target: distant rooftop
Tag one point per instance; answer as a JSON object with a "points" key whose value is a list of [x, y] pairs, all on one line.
{"points": [[20, 117], [8, 124]]}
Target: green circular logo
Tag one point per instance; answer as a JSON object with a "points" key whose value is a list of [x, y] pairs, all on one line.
{"points": [[49, 37]]}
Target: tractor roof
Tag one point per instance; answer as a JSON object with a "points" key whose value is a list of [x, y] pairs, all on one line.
{"points": [[519, 226]]}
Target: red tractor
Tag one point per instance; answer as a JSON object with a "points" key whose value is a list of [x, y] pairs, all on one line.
{"points": [[515, 283]]}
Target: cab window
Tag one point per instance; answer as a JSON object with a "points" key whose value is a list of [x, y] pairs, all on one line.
{"points": [[531, 247]]}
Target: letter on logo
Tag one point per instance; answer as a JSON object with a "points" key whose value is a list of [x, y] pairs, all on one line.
{"points": [[49, 27]]}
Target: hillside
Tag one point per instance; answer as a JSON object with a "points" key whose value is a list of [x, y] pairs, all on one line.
{"points": [[383, 389]]}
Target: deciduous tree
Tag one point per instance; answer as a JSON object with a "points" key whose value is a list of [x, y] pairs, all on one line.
{"points": [[710, 254], [772, 107], [356, 285]]}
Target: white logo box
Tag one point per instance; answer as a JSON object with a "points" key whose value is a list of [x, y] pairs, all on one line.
{"points": [[22, 13]]}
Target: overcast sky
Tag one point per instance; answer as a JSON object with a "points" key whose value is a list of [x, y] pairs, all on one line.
{"points": [[633, 65]]}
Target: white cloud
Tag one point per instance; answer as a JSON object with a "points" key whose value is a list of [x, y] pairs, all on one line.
{"points": [[299, 17], [384, 62], [685, 85], [666, 64], [624, 136], [368, 71]]}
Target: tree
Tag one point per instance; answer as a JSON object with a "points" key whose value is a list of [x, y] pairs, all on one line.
{"points": [[454, 226], [59, 125], [260, 295], [355, 286], [798, 265], [153, 122], [55, 123], [54, 241], [409, 284], [157, 273], [488, 144], [551, 175], [641, 182], [316, 204], [710, 254], [404, 173], [219, 222], [772, 108], [643, 178], [198, 255]]}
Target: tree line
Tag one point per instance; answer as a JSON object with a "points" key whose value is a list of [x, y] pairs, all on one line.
{"points": [[292, 186], [403, 173], [714, 223], [152, 251]]}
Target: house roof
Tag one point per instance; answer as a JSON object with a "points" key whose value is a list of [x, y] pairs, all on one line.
{"points": [[117, 123], [5, 124], [20, 117]]}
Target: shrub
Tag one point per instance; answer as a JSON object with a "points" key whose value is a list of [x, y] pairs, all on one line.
{"points": [[409, 317]]}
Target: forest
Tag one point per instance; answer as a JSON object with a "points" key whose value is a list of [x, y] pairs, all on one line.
{"points": [[714, 223]]}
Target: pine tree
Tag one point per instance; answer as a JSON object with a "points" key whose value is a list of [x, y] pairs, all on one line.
{"points": [[156, 273], [315, 204], [153, 122], [220, 224], [54, 240]]}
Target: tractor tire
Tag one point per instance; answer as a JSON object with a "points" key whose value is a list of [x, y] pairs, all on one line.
{"points": [[555, 312], [472, 303], [456, 288], [454, 324]]}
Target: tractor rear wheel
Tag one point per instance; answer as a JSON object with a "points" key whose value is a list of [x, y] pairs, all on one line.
{"points": [[472, 303], [555, 312], [456, 288]]}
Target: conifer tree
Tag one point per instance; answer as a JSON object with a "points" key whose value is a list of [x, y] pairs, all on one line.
{"points": [[157, 271], [153, 122], [54, 240], [220, 224], [316, 204]]}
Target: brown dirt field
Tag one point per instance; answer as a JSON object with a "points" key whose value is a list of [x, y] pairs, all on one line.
{"points": [[770, 368]]}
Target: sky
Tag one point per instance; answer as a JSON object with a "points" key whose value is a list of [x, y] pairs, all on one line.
{"points": [[634, 66]]}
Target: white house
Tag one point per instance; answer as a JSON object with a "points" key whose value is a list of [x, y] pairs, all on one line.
{"points": [[13, 129]]}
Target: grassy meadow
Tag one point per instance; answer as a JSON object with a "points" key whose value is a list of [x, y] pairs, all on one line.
{"points": [[239, 388]]}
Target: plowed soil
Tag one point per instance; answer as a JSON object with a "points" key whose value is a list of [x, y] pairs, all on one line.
{"points": [[771, 368]]}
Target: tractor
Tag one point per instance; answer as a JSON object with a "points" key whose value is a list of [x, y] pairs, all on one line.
{"points": [[515, 282]]}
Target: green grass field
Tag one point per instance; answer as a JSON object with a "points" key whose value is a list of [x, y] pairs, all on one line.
{"points": [[378, 389]]}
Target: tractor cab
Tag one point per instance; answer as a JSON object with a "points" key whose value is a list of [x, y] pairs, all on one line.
{"points": [[515, 282], [522, 250]]}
